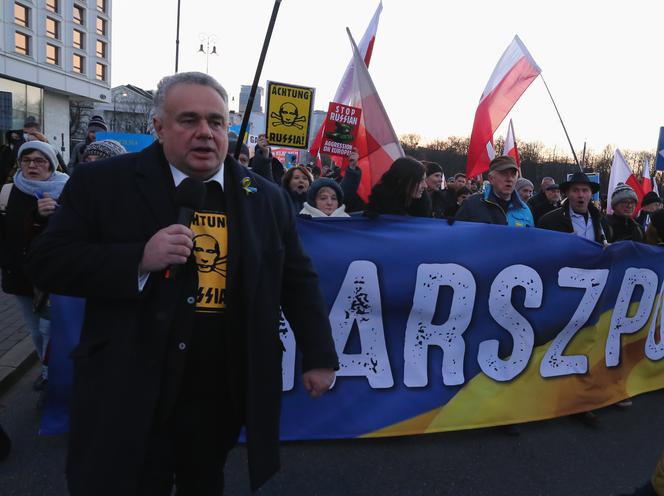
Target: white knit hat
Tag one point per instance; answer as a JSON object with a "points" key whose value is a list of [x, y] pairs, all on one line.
{"points": [[47, 150]]}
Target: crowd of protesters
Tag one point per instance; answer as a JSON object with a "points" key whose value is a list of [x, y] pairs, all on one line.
{"points": [[33, 174]]}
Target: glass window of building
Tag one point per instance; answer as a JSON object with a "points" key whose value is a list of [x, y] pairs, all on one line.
{"points": [[101, 49], [79, 64], [101, 26], [52, 5], [52, 28], [79, 15], [17, 101], [100, 72], [22, 43], [78, 40], [21, 15], [101, 5], [52, 54]]}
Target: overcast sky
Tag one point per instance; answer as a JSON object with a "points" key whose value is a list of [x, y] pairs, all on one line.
{"points": [[602, 60]]}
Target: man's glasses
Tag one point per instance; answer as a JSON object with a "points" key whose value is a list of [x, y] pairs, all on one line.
{"points": [[39, 162]]}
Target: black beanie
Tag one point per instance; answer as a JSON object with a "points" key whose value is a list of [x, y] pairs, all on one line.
{"points": [[324, 182], [651, 197], [433, 168]]}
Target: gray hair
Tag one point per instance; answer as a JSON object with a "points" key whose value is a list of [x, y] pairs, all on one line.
{"points": [[547, 179], [168, 82]]}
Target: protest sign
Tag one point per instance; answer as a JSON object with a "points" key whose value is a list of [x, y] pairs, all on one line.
{"points": [[287, 156], [289, 109], [341, 126]]}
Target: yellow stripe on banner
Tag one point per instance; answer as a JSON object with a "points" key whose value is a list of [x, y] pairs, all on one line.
{"points": [[485, 402]]}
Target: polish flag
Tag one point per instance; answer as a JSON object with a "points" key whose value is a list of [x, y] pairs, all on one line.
{"points": [[343, 93], [621, 173], [377, 143], [510, 145], [646, 182], [514, 72]]}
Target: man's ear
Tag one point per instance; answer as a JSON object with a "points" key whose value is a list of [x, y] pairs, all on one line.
{"points": [[156, 123]]}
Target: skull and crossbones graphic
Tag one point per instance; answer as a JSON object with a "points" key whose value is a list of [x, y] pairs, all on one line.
{"points": [[288, 116], [208, 255]]}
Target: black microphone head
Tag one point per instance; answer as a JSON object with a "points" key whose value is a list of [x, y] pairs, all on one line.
{"points": [[190, 193]]}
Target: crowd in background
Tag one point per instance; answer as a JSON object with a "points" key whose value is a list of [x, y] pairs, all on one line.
{"points": [[33, 174]]}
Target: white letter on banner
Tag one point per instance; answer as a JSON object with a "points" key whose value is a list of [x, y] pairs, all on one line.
{"points": [[554, 363], [288, 357], [502, 311], [359, 301], [620, 322], [655, 351], [422, 333]]}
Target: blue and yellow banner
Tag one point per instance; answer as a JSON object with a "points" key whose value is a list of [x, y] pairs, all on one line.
{"points": [[443, 327]]}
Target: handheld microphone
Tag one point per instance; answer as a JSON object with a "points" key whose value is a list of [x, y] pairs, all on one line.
{"points": [[189, 197]]}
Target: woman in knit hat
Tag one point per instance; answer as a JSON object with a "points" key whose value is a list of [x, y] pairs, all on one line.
{"points": [[99, 150], [623, 227], [25, 208], [524, 188], [325, 198]]}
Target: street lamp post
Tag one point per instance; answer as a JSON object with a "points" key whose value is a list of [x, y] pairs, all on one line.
{"points": [[208, 41]]}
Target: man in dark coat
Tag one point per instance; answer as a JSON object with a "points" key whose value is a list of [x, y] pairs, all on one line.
{"points": [[553, 200], [577, 213], [180, 344], [540, 197]]}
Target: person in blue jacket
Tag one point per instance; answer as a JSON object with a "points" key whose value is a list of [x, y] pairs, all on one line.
{"points": [[499, 203]]}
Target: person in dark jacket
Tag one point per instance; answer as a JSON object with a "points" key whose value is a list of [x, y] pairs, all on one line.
{"points": [[650, 204], [499, 203], [263, 163], [296, 182], [655, 230], [623, 227], [434, 180], [26, 207], [168, 369], [577, 214], [541, 196], [552, 202], [462, 194], [400, 190], [14, 139], [96, 124]]}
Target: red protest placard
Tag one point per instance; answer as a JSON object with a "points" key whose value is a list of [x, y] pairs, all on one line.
{"points": [[341, 127]]}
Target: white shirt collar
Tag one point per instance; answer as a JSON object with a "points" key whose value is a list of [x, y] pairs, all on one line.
{"points": [[179, 176]]}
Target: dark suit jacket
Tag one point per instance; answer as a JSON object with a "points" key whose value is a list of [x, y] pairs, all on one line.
{"points": [[92, 249]]}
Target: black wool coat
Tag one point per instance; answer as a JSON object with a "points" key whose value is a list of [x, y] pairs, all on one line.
{"points": [[560, 220], [92, 248]]}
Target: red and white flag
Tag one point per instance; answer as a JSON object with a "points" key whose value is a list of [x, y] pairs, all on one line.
{"points": [[510, 145], [514, 72], [346, 85], [377, 143], [621, 173], [646, 181]]}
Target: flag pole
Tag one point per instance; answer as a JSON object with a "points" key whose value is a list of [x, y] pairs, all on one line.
{"points": [[177, 40], [562, 123], [257, 76]]}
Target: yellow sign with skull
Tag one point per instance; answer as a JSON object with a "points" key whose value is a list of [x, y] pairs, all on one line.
{"points": [[289, 109]]}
